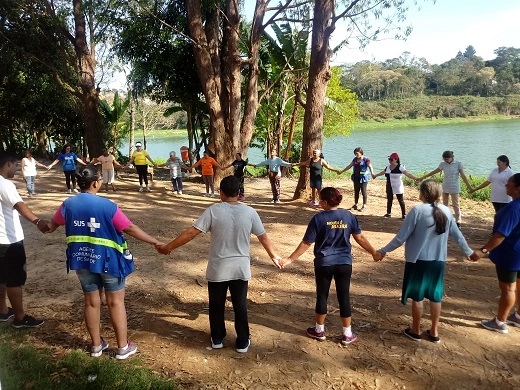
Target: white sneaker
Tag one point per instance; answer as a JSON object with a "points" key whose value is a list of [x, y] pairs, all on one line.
{"points": [[75, 190], [206, 195], [69, 191], [212, 195], [245, 349], [175, 192], [180, 192], [141, 189], [147, 189]]}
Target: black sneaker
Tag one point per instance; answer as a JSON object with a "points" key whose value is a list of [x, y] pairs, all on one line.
{"points": [[313, 334], [27, 322], [7, 316]]}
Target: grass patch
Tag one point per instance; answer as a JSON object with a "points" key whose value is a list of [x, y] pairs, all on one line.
{"points": [[25, 367]]}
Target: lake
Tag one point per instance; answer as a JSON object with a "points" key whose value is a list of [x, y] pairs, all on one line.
{"points": [[476, 145]]}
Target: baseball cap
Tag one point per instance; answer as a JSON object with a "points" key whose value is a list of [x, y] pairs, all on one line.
{"points": [[137, 144], [394, 156]]}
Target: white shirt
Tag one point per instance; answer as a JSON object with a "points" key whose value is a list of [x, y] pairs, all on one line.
{"points": [[10, 226], [498, 182], [29, 166]]}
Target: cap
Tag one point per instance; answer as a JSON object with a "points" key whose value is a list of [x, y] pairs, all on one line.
{"points": [[137, 144], [394, 156]]}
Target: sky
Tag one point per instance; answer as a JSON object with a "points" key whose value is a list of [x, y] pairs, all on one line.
{"points": [[440, 30]]}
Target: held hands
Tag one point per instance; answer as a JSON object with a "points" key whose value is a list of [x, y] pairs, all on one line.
{"points": [[378, 256], [162, 248], [477, 254], [285, 261], [277, 261], [43, 226]]}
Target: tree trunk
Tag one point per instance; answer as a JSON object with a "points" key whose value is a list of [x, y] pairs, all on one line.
{"points": [[89, 95], [319, 76], [219, 70]]}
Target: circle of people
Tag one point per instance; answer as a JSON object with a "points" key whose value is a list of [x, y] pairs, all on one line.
{"points": [[99, 254]]}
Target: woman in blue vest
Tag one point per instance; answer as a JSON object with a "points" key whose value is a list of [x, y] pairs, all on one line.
{"points": [[97, 251], [68, 161], [360, 177]]}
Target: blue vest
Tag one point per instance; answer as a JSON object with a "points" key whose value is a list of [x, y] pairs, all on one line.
{"points": [[93, 243]]}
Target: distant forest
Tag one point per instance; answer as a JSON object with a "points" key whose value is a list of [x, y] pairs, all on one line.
{"points": [[411, 80]]}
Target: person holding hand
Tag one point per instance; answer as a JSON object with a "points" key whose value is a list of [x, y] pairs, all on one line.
{"points": [[231, 224], [98, 252], [208, 172], [13, 272], [394, 183], [425, 232], [330, 231], [29, 171], [451, 170], [316, 164], [139, 157], [360, 176], [504, 251], [68, 163]]}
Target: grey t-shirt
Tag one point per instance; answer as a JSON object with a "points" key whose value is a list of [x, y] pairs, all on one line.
{"points": [[231, 226]]}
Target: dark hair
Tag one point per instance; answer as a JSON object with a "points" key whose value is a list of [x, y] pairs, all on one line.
{"points": [[85, 176], [6, 157], [447, 154], [240, 154], [331, 195], [516, 179], [358, 149], [431, 190], [503, 158], [230, 186], [65, 148]]}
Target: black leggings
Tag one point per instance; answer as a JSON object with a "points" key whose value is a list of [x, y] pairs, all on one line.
{"points": [[360, 187], [499, 206], [323, 276], [400, 199], [70, 176], [142, 171]]}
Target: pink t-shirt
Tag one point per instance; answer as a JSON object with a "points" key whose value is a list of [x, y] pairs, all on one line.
{"points": [[120, 220]]}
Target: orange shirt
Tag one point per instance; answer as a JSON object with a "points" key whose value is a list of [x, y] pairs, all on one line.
{"points": [[207, 165]]}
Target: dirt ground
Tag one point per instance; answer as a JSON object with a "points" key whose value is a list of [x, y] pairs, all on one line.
{"points": [[167, 299]]}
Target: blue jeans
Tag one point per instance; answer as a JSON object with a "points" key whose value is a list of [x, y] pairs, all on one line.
{"points": [[29, 182]]}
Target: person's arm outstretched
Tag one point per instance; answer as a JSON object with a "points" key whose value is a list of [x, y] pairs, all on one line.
{"points": [[300, 250], [268, 246], [185, 237], [430, 174]]}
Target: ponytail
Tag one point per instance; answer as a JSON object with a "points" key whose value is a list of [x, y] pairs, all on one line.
{"points": [[431, 190]]}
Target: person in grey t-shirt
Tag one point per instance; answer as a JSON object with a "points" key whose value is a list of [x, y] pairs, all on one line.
{"points": [[231, 224]]}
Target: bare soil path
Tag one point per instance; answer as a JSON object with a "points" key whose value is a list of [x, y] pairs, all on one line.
{"points": [[167, 300]]}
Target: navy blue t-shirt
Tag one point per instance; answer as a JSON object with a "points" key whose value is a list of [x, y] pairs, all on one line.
{"points": [[330, 231], [507, 222]]}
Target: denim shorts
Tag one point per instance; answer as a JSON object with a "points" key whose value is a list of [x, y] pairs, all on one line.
{"points": [[91, 282]]}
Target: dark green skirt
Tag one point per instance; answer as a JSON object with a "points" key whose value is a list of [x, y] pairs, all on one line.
{"points": [[423, 279]]}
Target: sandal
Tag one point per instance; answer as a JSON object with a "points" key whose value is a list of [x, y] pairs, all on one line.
{"points": [[414, 336], [433, 339]]}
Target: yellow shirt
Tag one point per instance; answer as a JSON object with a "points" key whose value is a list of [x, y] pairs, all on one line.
{"points": [[140, 157]]}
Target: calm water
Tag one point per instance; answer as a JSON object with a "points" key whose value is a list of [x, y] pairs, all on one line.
{"points": [[476, 145]]}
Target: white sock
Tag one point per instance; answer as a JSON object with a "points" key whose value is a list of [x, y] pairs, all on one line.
{"points": [[125, 347], [347, 331], [499, 323], [320, 328]]}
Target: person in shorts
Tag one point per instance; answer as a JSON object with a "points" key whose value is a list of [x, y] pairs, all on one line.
{"points": [[98, 252], [13, 273], [504, 252], [107, 161]]}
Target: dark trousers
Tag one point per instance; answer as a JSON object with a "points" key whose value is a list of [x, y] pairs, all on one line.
{"points": [[241, 187], [323, 276], [70, 176], [499, 206], [389, 200], [360, 187], [217, 292], [274, 179], [177, 183], [142, 171]]}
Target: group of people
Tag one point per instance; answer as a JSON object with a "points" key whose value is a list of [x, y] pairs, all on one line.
{"points": [[99, 254]]}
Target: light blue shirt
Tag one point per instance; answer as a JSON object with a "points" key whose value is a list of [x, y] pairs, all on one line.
{"points": [[274, 164], [422, 241]]}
